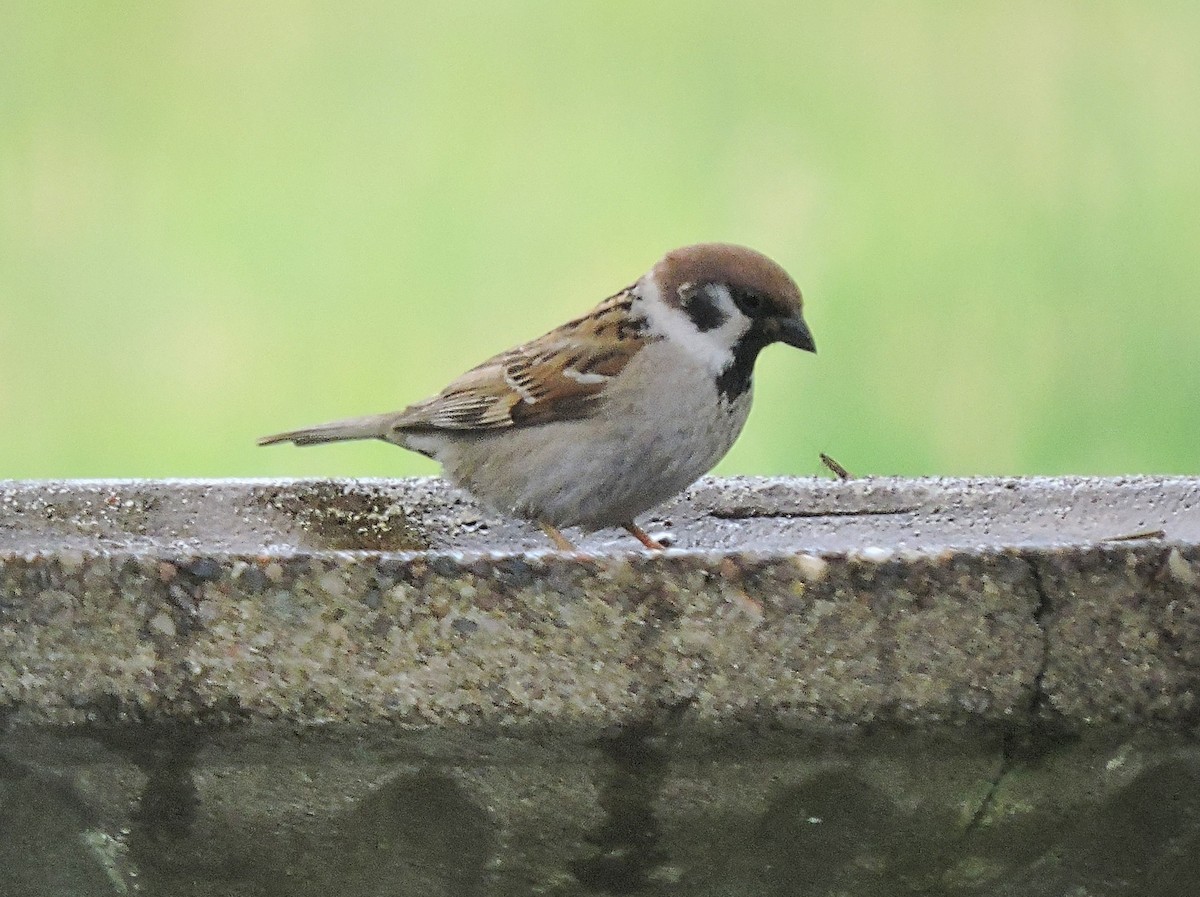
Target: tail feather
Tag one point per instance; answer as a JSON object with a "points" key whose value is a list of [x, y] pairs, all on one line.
{"points": [[375, 426]]}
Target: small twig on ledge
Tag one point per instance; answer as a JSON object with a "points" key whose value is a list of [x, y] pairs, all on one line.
{"points": [[1134, 537], [838, 471]]}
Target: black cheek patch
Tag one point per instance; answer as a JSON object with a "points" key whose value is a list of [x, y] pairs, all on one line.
{"points": [[704, 311]]}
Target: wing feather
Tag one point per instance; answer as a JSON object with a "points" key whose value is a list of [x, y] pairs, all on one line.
{"points": [[560, 376]]}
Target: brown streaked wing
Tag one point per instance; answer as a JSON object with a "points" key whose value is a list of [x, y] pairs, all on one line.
{"points": [[557, 377]]}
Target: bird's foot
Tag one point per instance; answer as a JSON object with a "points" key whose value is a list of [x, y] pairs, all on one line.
{"points": [[644, 537], [561, 542]]}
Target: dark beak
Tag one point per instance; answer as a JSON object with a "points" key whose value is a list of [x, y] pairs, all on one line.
{"points": [[795, 332]]}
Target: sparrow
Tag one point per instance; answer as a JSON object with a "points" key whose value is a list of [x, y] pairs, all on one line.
{"points": [[614, 412]]}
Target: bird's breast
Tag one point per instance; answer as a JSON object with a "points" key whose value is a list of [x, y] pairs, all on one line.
{"points": [[658, 427]]}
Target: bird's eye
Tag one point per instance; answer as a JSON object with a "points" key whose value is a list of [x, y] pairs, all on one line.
{"points": [[749, 302]]}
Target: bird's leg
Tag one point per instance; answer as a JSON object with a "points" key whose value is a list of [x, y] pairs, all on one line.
{"points": [[644, 537], [561, 542]]}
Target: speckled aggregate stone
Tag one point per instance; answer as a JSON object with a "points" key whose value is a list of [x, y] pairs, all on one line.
{"points": [[498, 641], [1125, 626], [896, 601]]}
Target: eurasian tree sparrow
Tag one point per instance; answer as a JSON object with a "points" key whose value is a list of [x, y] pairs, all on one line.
{"points": [[614, 412]]}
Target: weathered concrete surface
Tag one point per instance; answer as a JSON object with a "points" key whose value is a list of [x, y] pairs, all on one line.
{"points": [[871, 687], [795, 602], [735, 514]]}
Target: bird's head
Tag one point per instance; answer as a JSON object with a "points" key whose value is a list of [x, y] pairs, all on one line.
{"points": [[725, 304]]}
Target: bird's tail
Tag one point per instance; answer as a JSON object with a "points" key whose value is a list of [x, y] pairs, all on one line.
{"points": [[375, 426]]}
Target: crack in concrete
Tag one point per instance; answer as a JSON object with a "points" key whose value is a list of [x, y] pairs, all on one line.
{"points": [[742, 512], [1037, 698], [1007, 761]]}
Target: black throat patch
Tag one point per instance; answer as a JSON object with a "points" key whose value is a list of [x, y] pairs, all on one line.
{"points": [[735, 379]]}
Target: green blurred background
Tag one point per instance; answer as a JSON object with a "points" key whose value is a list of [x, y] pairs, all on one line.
{"points": [[219, 220]]}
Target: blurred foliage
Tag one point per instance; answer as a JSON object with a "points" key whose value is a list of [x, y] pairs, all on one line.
{"points": [[219, 220]]}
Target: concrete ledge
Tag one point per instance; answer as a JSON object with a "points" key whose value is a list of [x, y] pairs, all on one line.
{"points": [[968, 687], [795, 602]]}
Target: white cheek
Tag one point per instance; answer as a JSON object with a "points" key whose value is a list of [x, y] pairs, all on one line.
{"points": [[736, 324], [711, 348]]}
